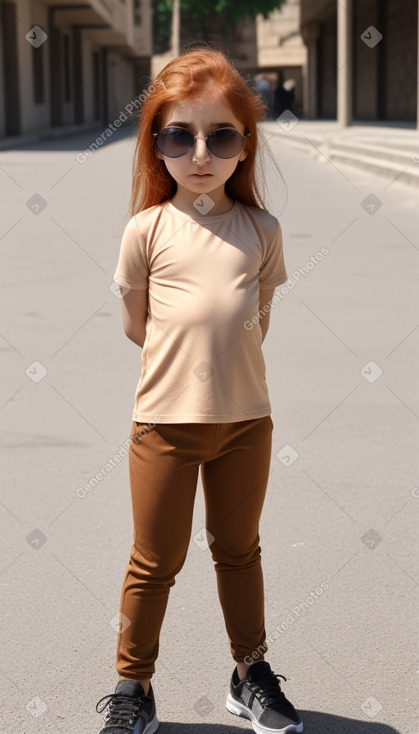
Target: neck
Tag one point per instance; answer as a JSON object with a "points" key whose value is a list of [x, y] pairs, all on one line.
{"points": [[188, 202]]}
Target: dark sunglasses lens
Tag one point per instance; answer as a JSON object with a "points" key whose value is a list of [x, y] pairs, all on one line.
{"points": [[225, 143], [174, 142]]}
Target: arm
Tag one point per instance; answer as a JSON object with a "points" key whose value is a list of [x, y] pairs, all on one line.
{"points": [[134, 310], [265, 295]]}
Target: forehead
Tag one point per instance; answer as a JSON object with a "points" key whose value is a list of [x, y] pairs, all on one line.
{"points": [[199, 109]]}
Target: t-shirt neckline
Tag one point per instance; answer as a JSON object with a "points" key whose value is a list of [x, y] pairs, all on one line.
{"points": [[203, 218]]}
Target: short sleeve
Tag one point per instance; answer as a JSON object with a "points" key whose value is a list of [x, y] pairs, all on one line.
{"points": [[132, 268], [273, 271]]}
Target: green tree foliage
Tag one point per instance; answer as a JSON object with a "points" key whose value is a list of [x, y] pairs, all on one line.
{"points": [[200, 21]]}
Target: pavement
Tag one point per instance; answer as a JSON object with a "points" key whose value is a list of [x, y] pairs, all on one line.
{"points": [[339, 527], [391, 150]]}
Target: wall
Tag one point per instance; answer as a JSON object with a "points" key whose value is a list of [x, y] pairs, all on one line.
{"points": [[401, 59], [384, 76], [366, 63], [327, 69], [121, 89], [123, 62]]}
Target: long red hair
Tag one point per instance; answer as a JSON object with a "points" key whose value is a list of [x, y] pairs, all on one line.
{"points": [[185, 78]]}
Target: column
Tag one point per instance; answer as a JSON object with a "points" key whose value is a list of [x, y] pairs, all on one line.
{"points": [[417, 77], [310, 33], [345, 71]]}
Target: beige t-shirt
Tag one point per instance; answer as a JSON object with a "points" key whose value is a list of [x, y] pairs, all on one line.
{"points": [[202, 359]]}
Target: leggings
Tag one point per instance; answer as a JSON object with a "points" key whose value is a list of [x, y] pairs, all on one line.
{"points": [[164, 461]]}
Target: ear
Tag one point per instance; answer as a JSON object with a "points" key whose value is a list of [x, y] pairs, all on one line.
{"points": [[242, 155]]}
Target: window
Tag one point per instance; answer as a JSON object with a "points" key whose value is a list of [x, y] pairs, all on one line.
{"points": [[96, 84], [38, 74], [67, 83], [137, 12]]}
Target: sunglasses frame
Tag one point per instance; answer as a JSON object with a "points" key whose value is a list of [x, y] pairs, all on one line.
{"points": [[195, 137]]}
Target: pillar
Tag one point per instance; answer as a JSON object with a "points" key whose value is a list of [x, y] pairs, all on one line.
{"points": [[310, 33], [345, 70]]}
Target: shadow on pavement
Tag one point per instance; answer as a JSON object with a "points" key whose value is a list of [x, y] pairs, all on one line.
{"points": [[314, 723], [79, 141]]}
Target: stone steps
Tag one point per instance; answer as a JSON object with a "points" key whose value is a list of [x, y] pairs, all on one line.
{"points": [[393, 154]]}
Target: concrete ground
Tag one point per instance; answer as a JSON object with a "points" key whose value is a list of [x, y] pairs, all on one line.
{"points": [[339, 529], [389, 150]]}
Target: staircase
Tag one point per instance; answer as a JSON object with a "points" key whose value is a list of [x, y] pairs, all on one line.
{"points": [[385, 150]]}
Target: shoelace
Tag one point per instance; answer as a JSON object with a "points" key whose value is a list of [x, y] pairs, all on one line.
{"points": [[268, 690], [123, 711]]}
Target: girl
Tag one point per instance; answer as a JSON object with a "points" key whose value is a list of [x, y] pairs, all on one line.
{"points": [[198, 265]]}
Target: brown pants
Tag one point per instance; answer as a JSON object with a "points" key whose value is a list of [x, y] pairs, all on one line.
{"points": [[163, 469]]}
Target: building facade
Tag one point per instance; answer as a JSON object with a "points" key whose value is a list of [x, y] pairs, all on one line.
{"points": [[380, 63], [80, 63], [69, 64], [281, 51]]}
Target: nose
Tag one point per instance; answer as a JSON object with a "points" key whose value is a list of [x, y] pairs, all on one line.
{"points": [[200, 151]]}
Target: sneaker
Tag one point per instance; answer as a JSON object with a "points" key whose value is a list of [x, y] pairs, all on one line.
{"points": [[259, 698], [130, 710]]}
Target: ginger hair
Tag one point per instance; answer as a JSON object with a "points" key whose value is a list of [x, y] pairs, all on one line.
{"points": [[192, 74]]}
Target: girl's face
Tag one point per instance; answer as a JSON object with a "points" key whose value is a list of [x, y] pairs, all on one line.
{"points": [[200, 117]]}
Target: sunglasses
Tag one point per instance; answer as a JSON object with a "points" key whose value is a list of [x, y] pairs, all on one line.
{"points": [[174, 142]]}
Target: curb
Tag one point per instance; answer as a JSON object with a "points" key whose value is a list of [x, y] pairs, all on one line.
{"points": [[388, 159]]}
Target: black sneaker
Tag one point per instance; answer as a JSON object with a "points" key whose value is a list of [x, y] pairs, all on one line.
{"points": [[259, 698], [130, 710]]}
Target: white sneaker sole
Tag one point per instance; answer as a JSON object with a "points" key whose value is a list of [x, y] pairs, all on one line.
{"points": [[240, 710], [152, 726]]}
